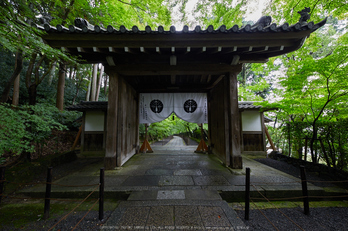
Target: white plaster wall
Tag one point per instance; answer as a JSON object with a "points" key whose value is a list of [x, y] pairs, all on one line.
{"points": [[94, 121], [251, 121]]}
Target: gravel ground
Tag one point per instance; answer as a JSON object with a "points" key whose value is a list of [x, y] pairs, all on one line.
{"points": [[320, 219], [90, 222]]}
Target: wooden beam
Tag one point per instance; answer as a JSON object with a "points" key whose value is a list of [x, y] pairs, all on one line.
{"points": [[216, 82], [172, 79], [270, 139], [110, 61], [179, 40], [216, 50], [80, 49], [65, 49], [188, 49], [121, 41], [179, 69], [235, 60], [173, 60]]}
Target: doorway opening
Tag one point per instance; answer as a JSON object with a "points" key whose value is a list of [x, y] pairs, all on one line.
{"points": [[161, 133]]}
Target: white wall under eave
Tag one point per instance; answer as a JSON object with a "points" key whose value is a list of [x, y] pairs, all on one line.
{"points": [[251, 121], [94, 121]]}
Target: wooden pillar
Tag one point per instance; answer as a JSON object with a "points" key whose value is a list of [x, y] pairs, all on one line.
{"points": [[137, 125], [233, 117], [111, 134], [210, 126]]}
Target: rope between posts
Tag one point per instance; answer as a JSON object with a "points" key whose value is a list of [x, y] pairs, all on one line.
{"points": [[86, 185], [74, 208], [275, 183], [22, 183], [342, 196], [342, 181], [51, 183], [278, 199], [44, 183], [278, 209], [39, 198], [264, 215], [85, 214]]}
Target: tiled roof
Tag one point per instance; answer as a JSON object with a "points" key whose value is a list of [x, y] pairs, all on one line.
{"points": [[248, 105], [262, 25], [89, 106]]}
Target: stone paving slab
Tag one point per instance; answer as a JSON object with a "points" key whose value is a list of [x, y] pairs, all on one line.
{"points": [[188, 194], [175, 180], [174, 215]]}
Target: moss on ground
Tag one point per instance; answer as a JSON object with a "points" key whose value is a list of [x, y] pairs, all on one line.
{"points": [[289, 204], [21, 213]]}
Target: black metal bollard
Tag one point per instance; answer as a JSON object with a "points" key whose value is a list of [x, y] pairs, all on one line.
{"points": [[247, 194], [48, 193], [101, 195], [304, 190], [2, 181]]}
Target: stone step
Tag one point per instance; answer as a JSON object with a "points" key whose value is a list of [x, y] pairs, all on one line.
{"points": [[192, 194], [174, 215]]}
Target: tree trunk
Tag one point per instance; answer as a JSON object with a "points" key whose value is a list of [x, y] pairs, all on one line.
{"points": [[88, 93], [313, 139], [99, 82], [15, 97], [60, 87], [32, 94], [94, 82], [50, 78], [17, 71]]}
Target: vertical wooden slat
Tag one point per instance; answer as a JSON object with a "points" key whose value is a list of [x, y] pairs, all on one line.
{"points": [[112, 119], [231, 88], [120, 125], [227, 119], [136, 123]]}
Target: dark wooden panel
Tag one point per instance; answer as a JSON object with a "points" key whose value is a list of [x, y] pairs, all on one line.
{"points": [[217, 121], [127, 122], [253, 142], [93, 142]]}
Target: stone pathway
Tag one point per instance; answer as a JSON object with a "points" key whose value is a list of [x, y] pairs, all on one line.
{"points": [[177, 204]]}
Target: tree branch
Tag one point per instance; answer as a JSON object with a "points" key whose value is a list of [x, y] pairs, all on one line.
{"points": [[130, 4], [47, 72], [36, 71], [30, 70]]}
